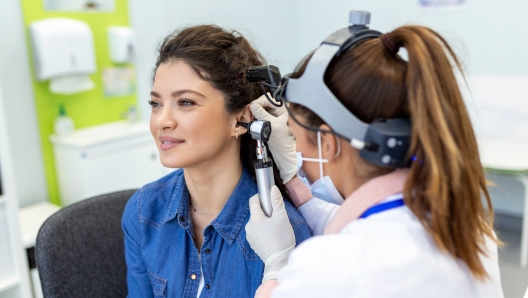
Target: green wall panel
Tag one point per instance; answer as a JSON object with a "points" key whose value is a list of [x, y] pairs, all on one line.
{"points": [[86, 108]]}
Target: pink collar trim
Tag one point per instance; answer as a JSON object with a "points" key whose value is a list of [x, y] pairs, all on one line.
{"points": [[366, 196]]}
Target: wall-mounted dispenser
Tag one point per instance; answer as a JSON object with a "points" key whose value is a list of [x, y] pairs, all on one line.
{"points": [[63, 51], [121, 44]]}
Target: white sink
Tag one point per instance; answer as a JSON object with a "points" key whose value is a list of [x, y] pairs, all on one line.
{"points": [[102, 133]]}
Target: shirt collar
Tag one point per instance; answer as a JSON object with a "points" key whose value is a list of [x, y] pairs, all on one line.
{"points": [[232, 217]]}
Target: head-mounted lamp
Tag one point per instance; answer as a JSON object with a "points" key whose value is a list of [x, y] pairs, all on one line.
{"points": [[384, 142]]}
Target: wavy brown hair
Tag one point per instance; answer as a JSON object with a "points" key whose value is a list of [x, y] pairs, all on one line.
{"points": [[221, 58], [446, 183]]}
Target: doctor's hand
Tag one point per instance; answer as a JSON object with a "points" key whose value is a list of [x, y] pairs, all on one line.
{"points": [[281, 142], [272, 238]]}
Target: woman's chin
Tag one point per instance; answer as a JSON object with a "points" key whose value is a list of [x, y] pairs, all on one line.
{"points": [[174, 165], [180, 162]]}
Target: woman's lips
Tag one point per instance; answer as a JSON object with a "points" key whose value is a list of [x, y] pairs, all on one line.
{"points": [[167, 143]]}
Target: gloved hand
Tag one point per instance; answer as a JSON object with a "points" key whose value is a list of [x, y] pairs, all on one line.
{"points": [[281, 142], [272, 238]]}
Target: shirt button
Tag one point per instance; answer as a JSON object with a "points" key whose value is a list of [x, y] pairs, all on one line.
{"points": [[193, 276], [208, 286], [207, 251], [182, 219]]}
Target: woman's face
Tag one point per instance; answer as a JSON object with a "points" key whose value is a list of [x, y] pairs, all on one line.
{"points": [[188, 122], [305, 146]]}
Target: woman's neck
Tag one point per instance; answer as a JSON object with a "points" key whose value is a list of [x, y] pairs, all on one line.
{"points": [[211, 184], [348, 182]]}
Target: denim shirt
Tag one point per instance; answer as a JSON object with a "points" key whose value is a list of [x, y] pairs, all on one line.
{"points": [[162, 259]]}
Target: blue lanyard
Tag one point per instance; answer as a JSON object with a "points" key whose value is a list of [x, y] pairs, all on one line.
{"points": [[382, 207]]}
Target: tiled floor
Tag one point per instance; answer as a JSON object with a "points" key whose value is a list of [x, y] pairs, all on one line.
{"points": [[514, 279]]}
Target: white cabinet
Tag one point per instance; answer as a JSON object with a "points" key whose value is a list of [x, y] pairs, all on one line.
{"points": [[105, 158]]}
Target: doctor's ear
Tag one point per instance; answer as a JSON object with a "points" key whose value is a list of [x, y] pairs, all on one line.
{"points": [[330, 144]]}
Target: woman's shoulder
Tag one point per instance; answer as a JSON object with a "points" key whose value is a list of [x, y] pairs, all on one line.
{"points": [[150, 202], [163, 188]]}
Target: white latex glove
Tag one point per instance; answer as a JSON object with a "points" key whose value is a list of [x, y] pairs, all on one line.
{"points": [[272, 238], [281, 142]]}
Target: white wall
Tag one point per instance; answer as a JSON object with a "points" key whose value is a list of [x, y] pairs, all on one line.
{"points": [[490, 35], [19, 104]]}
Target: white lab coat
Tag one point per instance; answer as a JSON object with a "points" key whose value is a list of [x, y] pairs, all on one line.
{"points": [[388, 254]]}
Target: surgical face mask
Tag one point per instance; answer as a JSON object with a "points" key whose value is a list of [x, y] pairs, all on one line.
{"points": [[323, 188]]}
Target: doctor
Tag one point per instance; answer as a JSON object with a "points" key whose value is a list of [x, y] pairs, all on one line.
{"points": [[395, 140]]}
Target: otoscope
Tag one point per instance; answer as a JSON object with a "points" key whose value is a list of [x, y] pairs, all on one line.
{"points": [[260, 131]]}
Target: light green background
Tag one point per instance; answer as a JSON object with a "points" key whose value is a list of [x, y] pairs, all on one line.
{"points": [[86, 108]]}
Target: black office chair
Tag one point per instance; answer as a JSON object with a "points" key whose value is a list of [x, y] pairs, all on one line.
{"points": [[80, 249]]}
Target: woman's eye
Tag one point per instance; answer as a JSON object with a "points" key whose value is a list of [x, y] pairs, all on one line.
{"points": [[185, 102], [154, 104]]}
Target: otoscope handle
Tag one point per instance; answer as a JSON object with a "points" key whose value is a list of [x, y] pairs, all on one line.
{"points": [[265, 180]]}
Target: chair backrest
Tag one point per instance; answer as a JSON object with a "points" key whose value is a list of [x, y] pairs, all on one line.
{"points": [[80, 249]]}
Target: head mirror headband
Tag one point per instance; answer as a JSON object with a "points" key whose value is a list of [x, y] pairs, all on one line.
{"points": [[384, 142]]}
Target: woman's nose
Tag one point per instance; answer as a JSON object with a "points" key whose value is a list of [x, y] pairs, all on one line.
{"points": [[166, 119]]}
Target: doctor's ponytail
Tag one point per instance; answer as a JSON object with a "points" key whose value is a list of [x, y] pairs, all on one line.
{"points": [[446, 182]]}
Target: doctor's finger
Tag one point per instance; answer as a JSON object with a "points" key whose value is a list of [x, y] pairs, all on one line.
{"points": [[260, 113], [264, 102]]}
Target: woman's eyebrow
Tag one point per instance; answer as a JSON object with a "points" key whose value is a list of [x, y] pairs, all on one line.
{"points": [[180, 92], [177, 93]]}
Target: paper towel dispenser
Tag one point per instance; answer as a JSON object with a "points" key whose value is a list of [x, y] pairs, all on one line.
{"points": [[121, 44], [61, 48]]}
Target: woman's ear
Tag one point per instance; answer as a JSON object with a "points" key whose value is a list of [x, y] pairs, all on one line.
{"points": [[243, 116], [330, 145]]}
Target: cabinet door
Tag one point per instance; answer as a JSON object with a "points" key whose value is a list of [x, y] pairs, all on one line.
{"points": [[127, 169], [6, 256]]}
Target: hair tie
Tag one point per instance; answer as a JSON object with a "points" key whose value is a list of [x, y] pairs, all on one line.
{"points": [[390, 45]]}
